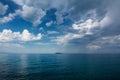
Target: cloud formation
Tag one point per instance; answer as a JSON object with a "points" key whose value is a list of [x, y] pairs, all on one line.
{"points": [[8, 45], [8, 18], [31, 14], [49, 23], [109, 40], [8, 36], [93, 47], [86, 24], [82, 29], [34, 11], [52, 32], [66, 38], [3, 8]]}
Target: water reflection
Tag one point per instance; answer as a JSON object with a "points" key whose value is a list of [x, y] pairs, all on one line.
{"points": [[23, 64]]}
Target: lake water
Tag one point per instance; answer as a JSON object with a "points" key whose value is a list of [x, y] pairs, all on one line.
{"points": [[60, 67]]}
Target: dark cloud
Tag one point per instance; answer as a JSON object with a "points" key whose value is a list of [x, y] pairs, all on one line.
{"points": [[113, 27], [81, 7], [104, 9]]}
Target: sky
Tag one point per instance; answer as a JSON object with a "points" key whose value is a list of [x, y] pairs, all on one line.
{"points": [[68, 26]]}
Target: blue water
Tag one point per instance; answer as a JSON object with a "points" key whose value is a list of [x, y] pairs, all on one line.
{"points": [[60, 67]]}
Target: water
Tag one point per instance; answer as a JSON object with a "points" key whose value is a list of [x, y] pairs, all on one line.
{"points": [[60, 67]]}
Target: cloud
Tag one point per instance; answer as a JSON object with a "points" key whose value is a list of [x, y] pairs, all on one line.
{"points": [[8, 18], [112, 13], [76, 9], [41, 29], [31, 14], [7, 36], [49, 23], [66, 38], [106, 44], [43, 44], [83, 29], [11, 47], [26, 36], [93, 47], [52, 32], [3, 8], [34, 11], [44, 4], [59, 18], [111, 20], [109, 40], [86, 27], [106, 21], [90, 26], [14, 45]]}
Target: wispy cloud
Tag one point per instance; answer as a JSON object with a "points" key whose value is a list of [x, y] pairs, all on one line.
{"points": [[49, 23], [3, 8]]}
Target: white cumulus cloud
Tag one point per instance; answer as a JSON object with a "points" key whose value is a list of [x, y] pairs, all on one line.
{"points": [[26, 36], [8, 35], [86, 27]]}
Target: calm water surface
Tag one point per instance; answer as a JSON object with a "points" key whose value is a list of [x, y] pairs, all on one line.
{"points": [[60, 67]]}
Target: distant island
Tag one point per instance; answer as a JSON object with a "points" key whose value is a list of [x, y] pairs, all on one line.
{"points": [[58, 53]]}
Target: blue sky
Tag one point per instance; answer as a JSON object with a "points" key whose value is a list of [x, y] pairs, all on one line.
{"points": [[68, 26]]}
